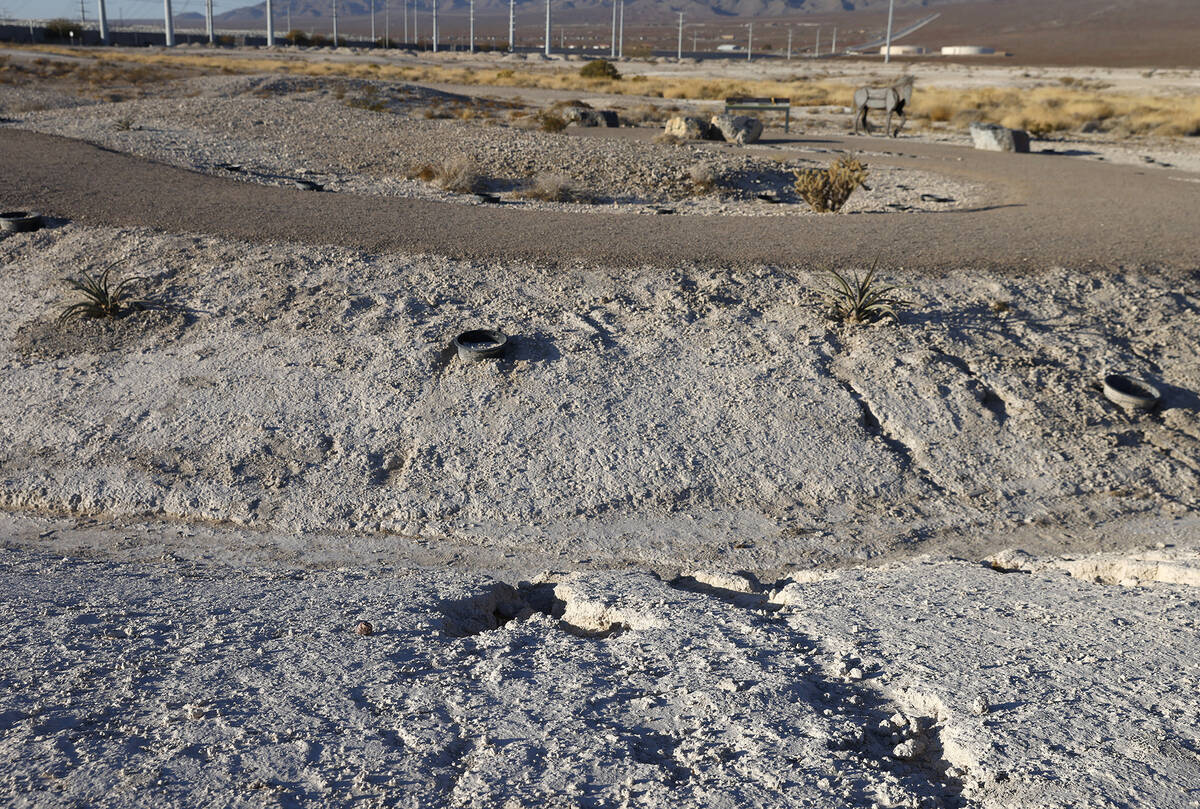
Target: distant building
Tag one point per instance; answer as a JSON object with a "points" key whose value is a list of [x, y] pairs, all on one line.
{"points": [[966, 50]]}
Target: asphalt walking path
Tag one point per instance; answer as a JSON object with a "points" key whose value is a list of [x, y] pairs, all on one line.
{"points": [[1043, 210]]}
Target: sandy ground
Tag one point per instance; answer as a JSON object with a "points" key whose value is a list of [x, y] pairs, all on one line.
{"points": [[622, 567]]}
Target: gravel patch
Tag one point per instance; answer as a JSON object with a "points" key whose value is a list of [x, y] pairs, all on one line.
{"points": [[366, 137]]}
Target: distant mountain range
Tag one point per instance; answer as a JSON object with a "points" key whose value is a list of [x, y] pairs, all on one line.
{"points": [[1150, 33]]}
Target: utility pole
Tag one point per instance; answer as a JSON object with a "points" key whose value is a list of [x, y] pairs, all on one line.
{"points": [[547, 27], [168, 24], [387, 23], [817, 50], [289, 16], [435, 26], [833, 51], [472, 26], [693, 41], [406, 40], [621, 34], [512, 25], [82, 12], [789, 52], [270, 26], [612, 54], [335, 38], [749, 41], [103, 24], [679, 44], [372, 23], [208, 22], [887, 48]]}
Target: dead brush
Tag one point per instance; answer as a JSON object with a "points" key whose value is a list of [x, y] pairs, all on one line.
{"points": [[101, 298], [704, 178], [862, 300], [456, 174], [552, 187], [827, 190]]}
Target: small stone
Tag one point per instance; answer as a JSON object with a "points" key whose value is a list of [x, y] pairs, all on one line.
{"points": [[979, 706], [363, 628], [855, 673], [909, 749]]}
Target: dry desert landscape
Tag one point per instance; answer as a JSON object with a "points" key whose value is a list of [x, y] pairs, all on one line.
{"points": [[694, 540]]}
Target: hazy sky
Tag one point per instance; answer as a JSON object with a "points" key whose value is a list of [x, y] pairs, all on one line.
{"points": [[116, 8]]}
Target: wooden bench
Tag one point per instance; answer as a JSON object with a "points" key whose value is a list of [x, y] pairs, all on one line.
{"points": [[783, 105]]}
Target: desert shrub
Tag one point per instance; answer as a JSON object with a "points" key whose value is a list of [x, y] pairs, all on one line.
{"points": [[704, 177], [101, 298], [862, 300], [550, 122], [123, 124], [827, 190], [456, 174], [667, 139], [63, 29], [298, 37], [552, 187], [600, 69]]}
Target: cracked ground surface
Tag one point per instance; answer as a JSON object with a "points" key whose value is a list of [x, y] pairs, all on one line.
{"points": [[940, 684]]}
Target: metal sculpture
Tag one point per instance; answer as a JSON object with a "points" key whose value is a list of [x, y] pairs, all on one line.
{"points": [[893, 99]]}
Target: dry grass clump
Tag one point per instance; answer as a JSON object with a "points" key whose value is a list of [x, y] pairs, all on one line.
{"points": [[456, 174], [827, 190], [1060, 108], [704, 178], [545, 121], [667, 139], [552, 187]]}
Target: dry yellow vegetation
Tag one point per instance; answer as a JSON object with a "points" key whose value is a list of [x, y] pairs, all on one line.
{"points": [[1068, 106]]}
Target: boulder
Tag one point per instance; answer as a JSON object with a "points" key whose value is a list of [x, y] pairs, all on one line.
{"points": [[684, 126], [996, 138], [740, 129], [583, 116]]}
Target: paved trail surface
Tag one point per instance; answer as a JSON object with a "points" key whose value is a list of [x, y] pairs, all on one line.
{"points": [[1047, 210]]}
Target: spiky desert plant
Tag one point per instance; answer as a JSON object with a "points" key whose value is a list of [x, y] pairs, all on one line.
{"points": [[863, 300], [827, 190], [101, 298]]}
